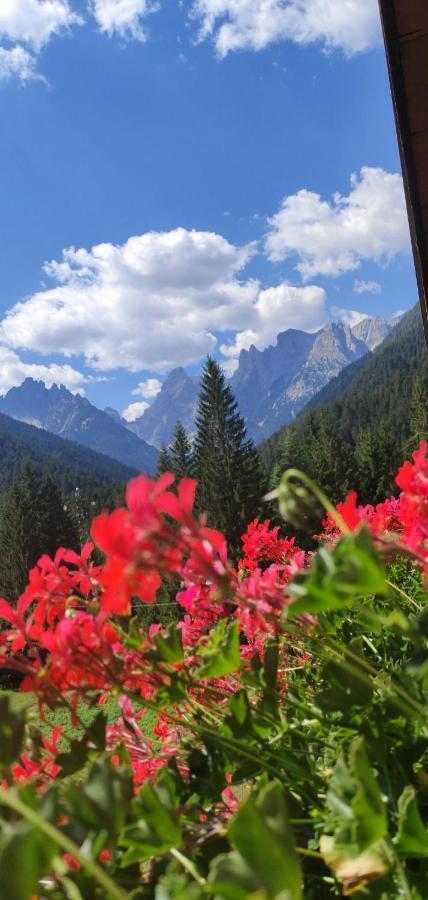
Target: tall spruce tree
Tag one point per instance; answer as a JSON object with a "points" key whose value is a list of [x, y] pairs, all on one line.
{"points": [[164, 464], [226, 462], [58, 526], [33, 521], [180, 452]]}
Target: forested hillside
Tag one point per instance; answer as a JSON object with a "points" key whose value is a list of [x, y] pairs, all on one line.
{"points": [[356, 430], [69, 464]]}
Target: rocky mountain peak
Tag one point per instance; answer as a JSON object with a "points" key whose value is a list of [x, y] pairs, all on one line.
{"points": [[372, 330], [73, 417]]}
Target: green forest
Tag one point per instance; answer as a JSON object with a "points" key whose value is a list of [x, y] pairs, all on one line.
{"points": [[355, 432]]}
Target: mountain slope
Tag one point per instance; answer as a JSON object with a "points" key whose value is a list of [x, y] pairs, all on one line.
{"points": [[370, 400], [273, 385], [176, 402], [70, 464], [73, 417]]}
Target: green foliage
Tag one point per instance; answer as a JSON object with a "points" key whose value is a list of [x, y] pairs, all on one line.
{"points": [[266, 860], [327, 758], [221, 655], [355, 433], [338, 579], [70, 464], [180, 451], [225, 461], [34, 519]]}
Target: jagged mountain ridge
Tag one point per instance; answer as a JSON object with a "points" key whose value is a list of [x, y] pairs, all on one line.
{"points": [[176, 402], [372, 393], [271, 385], [74, 418]]}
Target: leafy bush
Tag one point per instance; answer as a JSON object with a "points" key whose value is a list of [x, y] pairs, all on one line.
{"points": [[289, 754]]}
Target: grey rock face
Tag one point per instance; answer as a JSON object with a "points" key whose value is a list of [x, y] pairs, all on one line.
{"points": [[272, 385], [176, 402], [372, 330], [73, 417]]}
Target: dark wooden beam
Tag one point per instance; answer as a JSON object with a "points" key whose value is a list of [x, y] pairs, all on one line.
{"points": [[405, 30]]}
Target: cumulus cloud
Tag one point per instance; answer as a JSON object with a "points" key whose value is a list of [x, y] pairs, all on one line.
{"points": [[134, 411], [367, 287], [349, 25], [150, 303], [157, 301], [331, 237], [34, 22], [347, 316], [276, 309], [13, 371], [16, 62], [122, 17], [148, 389]]}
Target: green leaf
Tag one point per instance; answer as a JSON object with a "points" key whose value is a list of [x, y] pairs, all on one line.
{"points": [[412, 834], [12, 727], [169, 645], [344, 690], [156, 829], [96, 731], [25, 856], [358, 812], [221, 655], [338, 578], [74, 759], [233, 878], [262, 835], [103, 800]]}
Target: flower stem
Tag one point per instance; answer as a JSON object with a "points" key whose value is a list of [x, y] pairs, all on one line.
{"points": [[7, 798]]}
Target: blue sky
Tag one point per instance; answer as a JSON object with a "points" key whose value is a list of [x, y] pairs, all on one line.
{"points": [[200, 167]]}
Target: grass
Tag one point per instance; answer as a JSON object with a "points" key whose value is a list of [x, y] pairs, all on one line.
{"points": [[86, 715]]}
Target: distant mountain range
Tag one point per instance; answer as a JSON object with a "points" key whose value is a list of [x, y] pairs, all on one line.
{"points": [[73, 417], [72, 465], [271, 385], [374, 393]]}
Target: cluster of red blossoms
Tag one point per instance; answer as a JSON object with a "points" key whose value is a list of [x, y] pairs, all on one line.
{"points": [[69, 634], [402, 520]]}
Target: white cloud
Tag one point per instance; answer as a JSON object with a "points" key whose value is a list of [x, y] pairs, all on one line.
{"points": [[367, 287], [150, 303], [34, 22], [348, 316], [349, 25], [229, 366], [134, 411], [158, 301], [276, 309], [148, 389], [122, 17], [13, 371], [16, 62], [333, 237]]}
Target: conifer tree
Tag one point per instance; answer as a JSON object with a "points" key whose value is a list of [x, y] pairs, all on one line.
{"points": [[164, 464], [330, 460], [289, 454], [19, 533], [33, 521], [418, 413], [180, 451], [58, 526], [366, 465], [226, 462]]}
